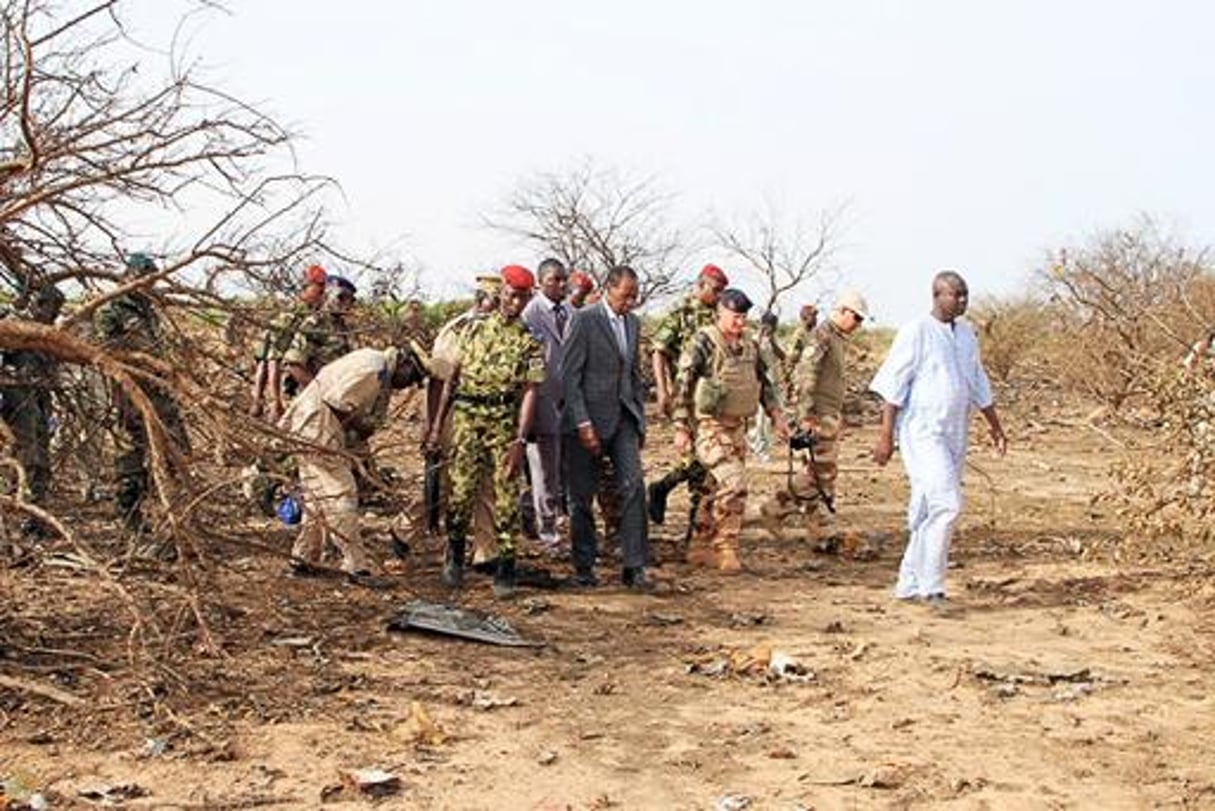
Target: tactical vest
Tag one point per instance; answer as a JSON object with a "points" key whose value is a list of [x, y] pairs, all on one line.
{"points": [[733, 390]]}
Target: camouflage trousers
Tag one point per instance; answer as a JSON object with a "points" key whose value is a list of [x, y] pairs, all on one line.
{"points": [[721, 446], [131, 449], [28, 414], [481, 439], [484, 543]]}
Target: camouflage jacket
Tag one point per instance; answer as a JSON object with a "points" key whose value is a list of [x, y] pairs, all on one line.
{"points": [[128, 322], [276, 339], [698, 360], [498, 359], [320, 338], [678, 326]]}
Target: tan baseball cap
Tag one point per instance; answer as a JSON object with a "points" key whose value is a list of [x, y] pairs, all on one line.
{"points": [[852, 300]]}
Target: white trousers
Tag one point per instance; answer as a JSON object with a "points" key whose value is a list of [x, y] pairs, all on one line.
{"points": [[934, 470]]}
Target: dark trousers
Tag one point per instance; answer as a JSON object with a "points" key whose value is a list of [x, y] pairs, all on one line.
{"points": [[623, 449]]}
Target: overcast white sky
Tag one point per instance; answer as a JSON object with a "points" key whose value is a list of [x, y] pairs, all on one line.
{"points": [[962, 134]]}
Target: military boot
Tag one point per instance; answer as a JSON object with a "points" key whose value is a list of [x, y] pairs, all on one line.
{"points": [[504, 578], [453, 563], [772, 514], [657, 492], [700, 553], [726, 557]]}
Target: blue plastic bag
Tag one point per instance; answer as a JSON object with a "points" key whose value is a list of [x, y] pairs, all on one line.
{"points": [[289, 510]]}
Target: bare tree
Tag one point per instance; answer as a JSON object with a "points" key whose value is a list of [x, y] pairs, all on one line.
{"points": [[94, 140], [593, 219], [786, 256]]}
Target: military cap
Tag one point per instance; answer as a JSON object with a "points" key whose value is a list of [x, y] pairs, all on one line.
{"points": [[518, 277], [734, 300], [715, 273]]}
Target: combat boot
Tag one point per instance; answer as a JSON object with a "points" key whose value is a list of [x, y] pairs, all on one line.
{"points": [[504, 578], [700, 554], [726, 557], [657, 492], [772, 514], [453, 563]]}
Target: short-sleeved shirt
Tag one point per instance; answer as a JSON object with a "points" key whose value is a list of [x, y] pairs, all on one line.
{"points": [[358, 383], [445, 354]]}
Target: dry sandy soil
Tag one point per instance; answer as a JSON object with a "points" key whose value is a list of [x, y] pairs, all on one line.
{"points": [[1062, 678]]}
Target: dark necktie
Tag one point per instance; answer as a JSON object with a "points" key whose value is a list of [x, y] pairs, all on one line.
{"points": [[560, 316]]}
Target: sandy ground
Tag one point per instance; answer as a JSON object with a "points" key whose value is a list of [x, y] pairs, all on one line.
{"points": [[1061, 678]]}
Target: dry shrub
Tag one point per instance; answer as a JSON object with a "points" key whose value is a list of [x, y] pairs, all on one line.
{"points": [[1016, 335], [1123, 304]]}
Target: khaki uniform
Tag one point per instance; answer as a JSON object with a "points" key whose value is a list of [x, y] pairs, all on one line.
{"points": [[498, 359], [356, 384], [819, 379], [719, 387]]}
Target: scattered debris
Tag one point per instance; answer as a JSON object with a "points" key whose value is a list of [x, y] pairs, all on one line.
{"points": [[113, 795], [547, 758], [760, 661], [732, 802], [784, 667], [464, 623], [782, 753], [536, 605], [370, 782], [154, 747], [486, 701], [834, 627], [743, 618], [657, 618], [419, 729]]}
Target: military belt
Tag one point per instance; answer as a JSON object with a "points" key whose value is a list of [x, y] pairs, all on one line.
{"points": [[497, 400]]}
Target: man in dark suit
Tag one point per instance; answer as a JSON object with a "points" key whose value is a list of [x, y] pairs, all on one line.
{"points": [[547, 317], [605, 416]]}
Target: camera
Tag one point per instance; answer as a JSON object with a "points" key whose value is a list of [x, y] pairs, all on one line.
{"points": [[801, 440]]}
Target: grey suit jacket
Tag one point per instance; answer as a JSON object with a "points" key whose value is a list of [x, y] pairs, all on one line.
{"points": [[601, 384], [539, 319]]}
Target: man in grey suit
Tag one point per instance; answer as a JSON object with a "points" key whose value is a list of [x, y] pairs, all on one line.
{"points": [[605, 416], [547, 317]]}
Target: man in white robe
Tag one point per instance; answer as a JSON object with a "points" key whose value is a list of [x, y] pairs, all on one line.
{"points": [[930, 381]]}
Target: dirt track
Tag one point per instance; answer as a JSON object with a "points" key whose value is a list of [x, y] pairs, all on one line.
{"points": [[1062, 680]]}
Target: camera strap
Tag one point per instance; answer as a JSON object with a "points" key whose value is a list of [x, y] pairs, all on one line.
{"points": [[820, 493]]}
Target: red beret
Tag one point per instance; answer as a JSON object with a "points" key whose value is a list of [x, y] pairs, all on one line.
{"points": [[581, 281], [518, 277], [715, 273], [315, 274]]}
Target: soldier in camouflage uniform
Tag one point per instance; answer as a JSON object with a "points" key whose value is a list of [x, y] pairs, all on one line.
{"points": [[807, 319], [493, 396], [276, 340], [324, 335], [444, 358], [25, 400], [670, 339], [820, 386], [129, 323], [722, 379]]}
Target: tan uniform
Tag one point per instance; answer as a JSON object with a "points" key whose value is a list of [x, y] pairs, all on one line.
{"points": [[356, 384], [819, 378], [719, 388]]}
